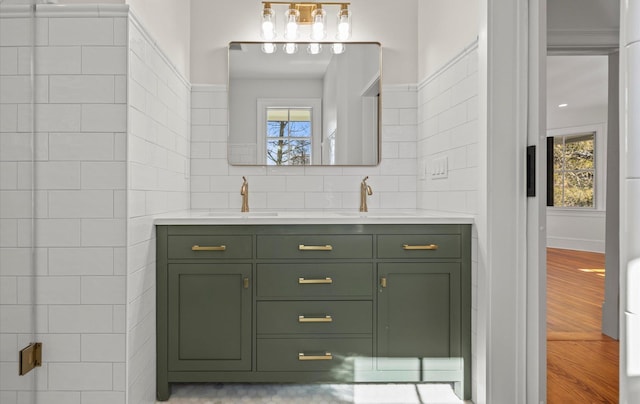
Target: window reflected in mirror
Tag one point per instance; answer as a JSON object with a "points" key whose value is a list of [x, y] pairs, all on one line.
{"points": [[288, 136]]}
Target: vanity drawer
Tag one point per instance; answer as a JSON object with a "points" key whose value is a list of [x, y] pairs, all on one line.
{"points": [[207, 246], [314, 280], [315, 317], [315, 246], [337, 354], [419, 246]]}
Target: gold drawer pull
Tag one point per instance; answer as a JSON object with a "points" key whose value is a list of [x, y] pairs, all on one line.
{"points": [[420, 247], [326, 357], [209, 248], [383, 282], [325, 319], [327, 247], [245, 283], [303, 281]]}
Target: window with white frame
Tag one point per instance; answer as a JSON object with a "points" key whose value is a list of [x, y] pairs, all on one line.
{"points": [[289, 131], [572, 159]]}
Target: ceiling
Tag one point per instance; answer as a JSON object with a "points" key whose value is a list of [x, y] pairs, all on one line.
{"points": [[579, 81]]}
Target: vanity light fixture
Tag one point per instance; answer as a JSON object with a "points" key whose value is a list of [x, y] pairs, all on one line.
{"points": [[300, 14]]}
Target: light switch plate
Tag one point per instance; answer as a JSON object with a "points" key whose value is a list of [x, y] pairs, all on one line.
{"points": [[440, 168]]}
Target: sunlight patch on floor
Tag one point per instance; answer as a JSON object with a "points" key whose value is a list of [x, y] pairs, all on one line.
{"points": [[597, 271]]}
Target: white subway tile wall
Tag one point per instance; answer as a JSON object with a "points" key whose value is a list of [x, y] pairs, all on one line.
{"points": [[448, 128], [159, 117], [79, 179], [215, 184], [106, 162]]}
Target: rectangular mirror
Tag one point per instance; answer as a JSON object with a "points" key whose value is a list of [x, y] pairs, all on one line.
{"points": [[305, 108]]}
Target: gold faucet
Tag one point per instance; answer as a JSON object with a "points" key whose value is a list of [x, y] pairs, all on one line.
{"points": [[364, 191], [244, 191]]}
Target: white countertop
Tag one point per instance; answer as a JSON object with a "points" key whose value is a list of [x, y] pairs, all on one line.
{"points": [[377, 216]]}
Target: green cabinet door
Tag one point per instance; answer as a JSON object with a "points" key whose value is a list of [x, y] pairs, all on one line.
{"points": [[419, 315], [209, 311]]}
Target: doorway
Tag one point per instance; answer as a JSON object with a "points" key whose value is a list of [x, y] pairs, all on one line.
{"points": [[582, 361]]}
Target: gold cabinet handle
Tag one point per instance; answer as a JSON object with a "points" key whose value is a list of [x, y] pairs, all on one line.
{"points": [[420, 247], [326, 281], [325, 319], [326, 357], [327, 247], [209, 248], [383, 282], [245, 283]]}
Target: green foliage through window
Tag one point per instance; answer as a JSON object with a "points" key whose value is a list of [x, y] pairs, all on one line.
{"points": [[574, 170]]}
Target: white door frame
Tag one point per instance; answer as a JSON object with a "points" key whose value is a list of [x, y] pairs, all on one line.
{"points": [[511, 361]]}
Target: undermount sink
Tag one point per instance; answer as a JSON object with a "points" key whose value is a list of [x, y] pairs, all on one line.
{"points": [[240, 214], [374, 214]]}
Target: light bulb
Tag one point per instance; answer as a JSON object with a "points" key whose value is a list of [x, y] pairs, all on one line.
{"points": [[291, 31], [268, 47], [291, 27], [267, 31], [314, 48], [344, 24], [337, 48], [318, 28]]}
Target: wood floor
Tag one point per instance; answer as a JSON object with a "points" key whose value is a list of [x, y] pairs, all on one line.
{"points": [[582, 363]]}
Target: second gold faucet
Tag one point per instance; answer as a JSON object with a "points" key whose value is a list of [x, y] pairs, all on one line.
{"points": [[244, 191], [364, 191]]}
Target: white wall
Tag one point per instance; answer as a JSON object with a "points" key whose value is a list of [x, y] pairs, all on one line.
{"points": [[215, 23], [582, 229], [445, 29], [168, 23]]}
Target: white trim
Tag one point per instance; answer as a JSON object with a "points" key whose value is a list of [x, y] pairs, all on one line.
{"points": [[472, 47], [578, 244], [576, 38], [64, 10], [135, 21], [208, 88]]}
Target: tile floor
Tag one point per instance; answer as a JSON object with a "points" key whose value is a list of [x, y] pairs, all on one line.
{"points": [[214, 393]]}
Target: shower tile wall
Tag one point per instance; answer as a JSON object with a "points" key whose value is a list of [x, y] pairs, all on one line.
{"points": [[80, 186], [216, 185], [112, 122]]}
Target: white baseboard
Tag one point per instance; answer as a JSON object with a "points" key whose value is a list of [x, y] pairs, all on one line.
{"points": [[576, 244]]}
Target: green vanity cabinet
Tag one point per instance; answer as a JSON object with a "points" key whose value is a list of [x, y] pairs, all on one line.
{"points": [[202, 336], [314, 303]]}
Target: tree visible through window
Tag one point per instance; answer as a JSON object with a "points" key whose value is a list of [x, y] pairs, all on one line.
{"points": [[288, 137], [574, 170]]}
